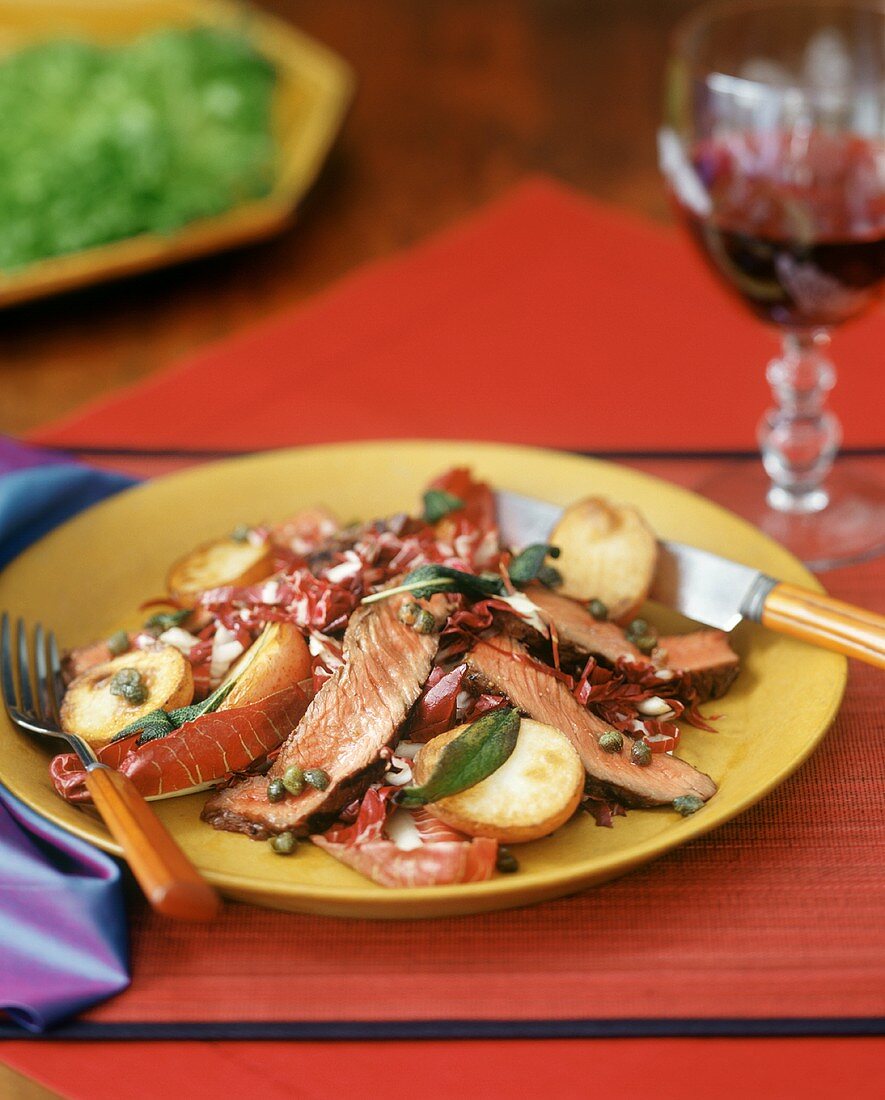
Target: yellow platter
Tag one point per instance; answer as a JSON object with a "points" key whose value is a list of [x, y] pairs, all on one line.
{"points": [[87, 578], [314, 90]]}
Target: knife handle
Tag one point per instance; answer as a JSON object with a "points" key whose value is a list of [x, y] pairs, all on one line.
{"points": [[822, 621], [169, 880]]}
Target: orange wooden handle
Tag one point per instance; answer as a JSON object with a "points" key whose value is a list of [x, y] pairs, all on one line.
{"points": [[826, 622], [170, 882]]}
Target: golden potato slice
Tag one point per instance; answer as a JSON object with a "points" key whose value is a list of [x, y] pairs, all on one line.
{"points": [[215, 564], [91, 710], [607, 552], [278, 658], [535, 790]]}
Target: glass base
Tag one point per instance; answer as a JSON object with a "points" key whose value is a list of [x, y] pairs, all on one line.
{"points": [[848, 528]]}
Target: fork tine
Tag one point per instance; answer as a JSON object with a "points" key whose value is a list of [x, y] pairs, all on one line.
{"points": [[54, 681], [42, 674], [6, 673], [25, 688]]}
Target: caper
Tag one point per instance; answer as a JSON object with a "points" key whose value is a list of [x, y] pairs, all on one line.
{"points": [[118, 643], [425, 623], [408, 612], [128, 684], [293, 779], [640, 754], [284, 844], [240, 533], [316, 777], [598, 610], [611, 741], [276, 792], [637, 628], [645, 643], [687, 804], [506, 861]]}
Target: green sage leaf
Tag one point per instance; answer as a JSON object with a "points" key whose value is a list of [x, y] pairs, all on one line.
{"points": [[426, 580], [438, 503], [527, 565], [468, 759]]}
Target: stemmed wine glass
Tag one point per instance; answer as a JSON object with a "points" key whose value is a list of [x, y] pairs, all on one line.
{"points": [[773, 148]]}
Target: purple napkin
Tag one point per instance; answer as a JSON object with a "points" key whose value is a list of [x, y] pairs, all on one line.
{"points": [[63, 942]]}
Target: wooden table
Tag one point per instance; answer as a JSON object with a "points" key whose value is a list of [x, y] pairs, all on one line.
{"points": [[457, 100]]}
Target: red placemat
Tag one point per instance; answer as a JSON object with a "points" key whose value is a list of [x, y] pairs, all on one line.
{"points": [[660, 1069], [547, 318]]}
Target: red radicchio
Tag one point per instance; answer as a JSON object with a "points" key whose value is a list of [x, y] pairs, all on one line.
{"points": [[436, 707]]}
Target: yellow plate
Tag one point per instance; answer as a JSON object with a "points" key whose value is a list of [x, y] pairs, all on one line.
{"points": [[314, 89], [87, 578]]}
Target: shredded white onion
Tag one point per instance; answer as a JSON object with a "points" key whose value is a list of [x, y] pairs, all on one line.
{"points": [[343, 571], [408, 750], [270, 593], [182, 640], [399, 774], [225, 650], [655, 707]]}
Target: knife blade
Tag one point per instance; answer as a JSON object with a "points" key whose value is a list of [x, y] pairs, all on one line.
{"points": [[719, 592]]}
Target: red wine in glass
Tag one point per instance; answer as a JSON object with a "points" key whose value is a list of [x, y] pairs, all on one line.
{"points": [[795, 224], [773, 147]]}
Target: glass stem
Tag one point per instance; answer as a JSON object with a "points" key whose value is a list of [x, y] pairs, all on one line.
{"points": [[799, 437]]}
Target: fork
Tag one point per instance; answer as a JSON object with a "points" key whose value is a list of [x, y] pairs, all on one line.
{"points": [[169, 880]]}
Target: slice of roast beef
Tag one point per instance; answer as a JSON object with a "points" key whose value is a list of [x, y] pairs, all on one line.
{"points": [[578, 631], [502, 664], [706, 661], [353, 717], [704, 657]]}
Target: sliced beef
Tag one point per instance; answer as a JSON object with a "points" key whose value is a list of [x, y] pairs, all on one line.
{"points": [[704, 657], [353, 717], [579, 631], [502, 664]]}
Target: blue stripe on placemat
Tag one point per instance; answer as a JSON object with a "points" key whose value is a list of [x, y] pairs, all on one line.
{"points": [[355, 1030]]}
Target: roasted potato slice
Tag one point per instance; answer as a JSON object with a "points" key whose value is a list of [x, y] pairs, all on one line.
{"points": [[535, 790], [91, 710], [278, 658], [219, 563], [607, 552]]}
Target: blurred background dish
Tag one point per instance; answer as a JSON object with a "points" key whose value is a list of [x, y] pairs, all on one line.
{"points": [[144, 132]]}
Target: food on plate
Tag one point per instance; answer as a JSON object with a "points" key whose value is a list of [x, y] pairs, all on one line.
{"points": [[503, 665], [231, 561], [535, 790], [108, 696], [100, 141], [406, 693], [607, 553]]}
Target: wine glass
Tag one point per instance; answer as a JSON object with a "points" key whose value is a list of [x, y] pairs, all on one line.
{"points": [[773, 148]]}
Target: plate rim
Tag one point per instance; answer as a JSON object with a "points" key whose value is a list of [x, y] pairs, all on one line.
{"points": [[502, 892]]}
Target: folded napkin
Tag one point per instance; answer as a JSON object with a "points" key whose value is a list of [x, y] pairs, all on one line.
{"points": [[63, 940], [39, 490]]}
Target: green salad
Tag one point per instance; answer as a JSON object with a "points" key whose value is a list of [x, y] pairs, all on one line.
{"points": [[100, 143]]}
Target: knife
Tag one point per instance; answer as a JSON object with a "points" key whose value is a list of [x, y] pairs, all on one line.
{"points": [[719, 592]]}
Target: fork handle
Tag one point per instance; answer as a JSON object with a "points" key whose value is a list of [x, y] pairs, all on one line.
{"points": [[823, 621], [169, 880]]}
